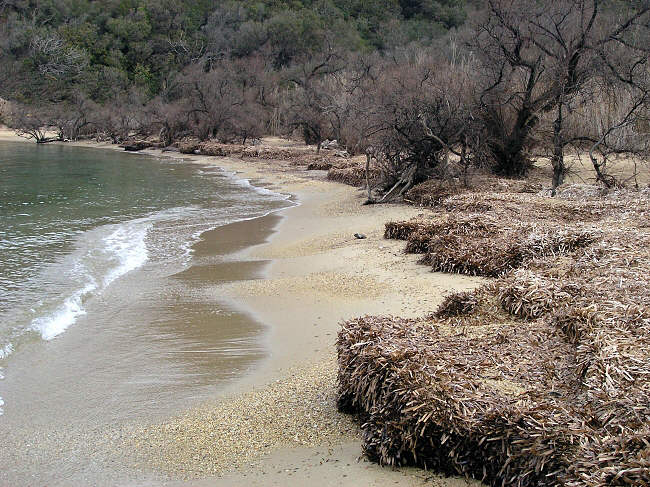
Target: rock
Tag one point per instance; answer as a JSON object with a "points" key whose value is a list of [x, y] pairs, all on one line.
{"points": [[359, 236]]}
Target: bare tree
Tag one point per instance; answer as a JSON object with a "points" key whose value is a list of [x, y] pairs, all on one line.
{"points": [[536, 58], [354, 111], [121, 117], [168, 119], [32, 123], [74, 117], [311, 103], [211, 99], [424, 108], [54, 58]]}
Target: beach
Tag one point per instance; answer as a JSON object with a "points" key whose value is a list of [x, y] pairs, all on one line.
{"points": [[278, 424], [319, 274]]}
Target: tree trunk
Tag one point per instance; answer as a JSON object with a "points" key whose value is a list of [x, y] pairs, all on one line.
{"points": [[509, 156], [404, 183], [559, 168], [368, 174]]}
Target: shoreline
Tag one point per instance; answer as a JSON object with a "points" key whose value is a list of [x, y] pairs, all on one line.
{"points": [[317, 275], [327, 276]]}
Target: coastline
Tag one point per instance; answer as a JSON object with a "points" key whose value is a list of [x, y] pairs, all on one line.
{"points": [[317, 275]]}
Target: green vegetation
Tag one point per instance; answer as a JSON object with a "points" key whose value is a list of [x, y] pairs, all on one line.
{"points": [[51, 48]]}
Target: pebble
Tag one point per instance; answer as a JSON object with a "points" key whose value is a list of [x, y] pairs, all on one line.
{"points": [[299, 410]]}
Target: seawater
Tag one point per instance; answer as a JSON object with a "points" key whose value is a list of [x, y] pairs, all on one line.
{"points": [[74, 222]]}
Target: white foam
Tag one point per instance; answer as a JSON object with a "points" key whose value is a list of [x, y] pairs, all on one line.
{"points": [[6, 351], [127, 245], [65, 315], [2, 403], [259, 190], [123, 250]]}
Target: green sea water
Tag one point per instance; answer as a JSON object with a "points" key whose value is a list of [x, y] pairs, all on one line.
{"points": [[78, 225]]}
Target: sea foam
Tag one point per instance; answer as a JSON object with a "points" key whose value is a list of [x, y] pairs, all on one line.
{"points": [[65, 315], [127, 245], [111, 257]]}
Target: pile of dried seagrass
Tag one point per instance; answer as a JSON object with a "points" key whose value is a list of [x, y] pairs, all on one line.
{"points": [[542, 376], [483, 245], [353, 173]]}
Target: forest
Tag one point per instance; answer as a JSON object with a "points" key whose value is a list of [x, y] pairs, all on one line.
{"points": [[426, 89]]}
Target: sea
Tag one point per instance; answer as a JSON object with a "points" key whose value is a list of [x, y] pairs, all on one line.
{"points": [[101, 318]]}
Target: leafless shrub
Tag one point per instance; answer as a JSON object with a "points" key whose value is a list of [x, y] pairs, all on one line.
{"points": [[32, 123]]}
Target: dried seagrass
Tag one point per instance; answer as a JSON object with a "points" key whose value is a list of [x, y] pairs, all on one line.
{"points": [[352, 174], [541, 377], [482, 246], [457, 304]]}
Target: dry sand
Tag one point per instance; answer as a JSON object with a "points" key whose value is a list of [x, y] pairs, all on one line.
{"points": [[279, 425]]}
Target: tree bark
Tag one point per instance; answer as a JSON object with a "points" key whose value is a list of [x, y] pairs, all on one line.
{"points": [[368, 157], [559, 168]]}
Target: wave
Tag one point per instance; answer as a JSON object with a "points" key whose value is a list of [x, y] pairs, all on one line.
{"points": [[6, 350], [129, 247], [103, 255], [66, 314], [258, 189]]}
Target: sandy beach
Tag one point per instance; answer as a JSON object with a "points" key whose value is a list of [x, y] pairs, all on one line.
{"points": [[279, 425]]}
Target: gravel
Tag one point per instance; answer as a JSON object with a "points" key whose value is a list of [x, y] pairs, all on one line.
{"points": [[215, 438]]}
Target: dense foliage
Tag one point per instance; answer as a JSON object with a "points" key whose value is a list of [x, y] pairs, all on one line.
{"points": [[49, 48]]}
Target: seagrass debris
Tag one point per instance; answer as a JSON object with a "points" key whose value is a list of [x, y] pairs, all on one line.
{"points": [[480, 246], [541, 377], [433, 192], [573, 203], [457, 304], [440, 402], [445, 225], [256, 151], [353, 174], [319, 166], [296, 156]]}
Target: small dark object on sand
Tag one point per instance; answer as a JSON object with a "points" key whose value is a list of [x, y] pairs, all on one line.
{"points": [[359, 235]]}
